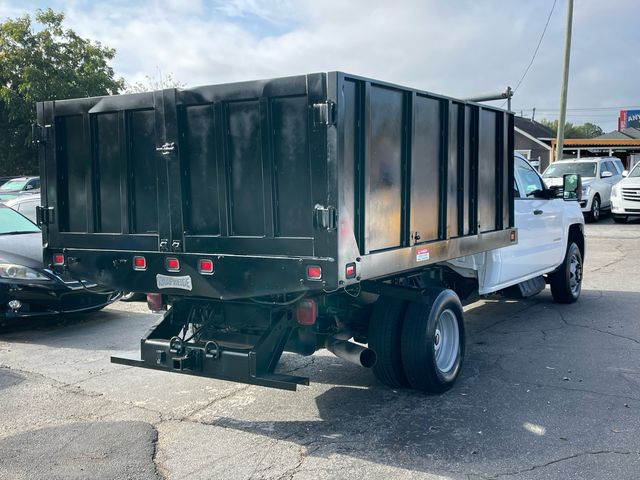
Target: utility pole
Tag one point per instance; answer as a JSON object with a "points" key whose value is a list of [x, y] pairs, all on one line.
{"points": [[565, 82]]}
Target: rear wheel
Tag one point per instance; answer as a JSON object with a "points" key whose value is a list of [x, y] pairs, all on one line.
{"points": [[433, 342], [566, 283], [594, 213], [385, 329], [619, 219]]}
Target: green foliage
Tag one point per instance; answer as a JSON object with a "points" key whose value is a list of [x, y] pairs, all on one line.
{"points": [[588, 130], [44, 62], [159, 81]]}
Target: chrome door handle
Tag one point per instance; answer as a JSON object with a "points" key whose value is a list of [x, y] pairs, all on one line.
{"points": [[538, 212]]}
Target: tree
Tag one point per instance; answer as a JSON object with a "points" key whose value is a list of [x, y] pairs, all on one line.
{"points": [[44, 62], [588, 130], [155, 82]]}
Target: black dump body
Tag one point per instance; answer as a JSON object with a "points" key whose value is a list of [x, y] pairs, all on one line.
{"points": [[267, 178]]}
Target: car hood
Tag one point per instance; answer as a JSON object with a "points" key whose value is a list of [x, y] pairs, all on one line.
{"points": [[557, 181], [24, 249], [630, 182]]}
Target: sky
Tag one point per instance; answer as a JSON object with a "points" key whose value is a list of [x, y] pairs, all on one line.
{"points": [[460, 48]]}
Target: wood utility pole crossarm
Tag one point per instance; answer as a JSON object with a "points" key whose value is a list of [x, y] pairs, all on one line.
{"points": [[565, 82]]}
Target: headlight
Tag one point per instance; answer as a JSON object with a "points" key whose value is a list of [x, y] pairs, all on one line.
{"points": [[615, 191], [586, 190], [19, 272]]}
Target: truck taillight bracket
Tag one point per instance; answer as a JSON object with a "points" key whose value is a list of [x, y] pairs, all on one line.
{"points": [[44, 215]]}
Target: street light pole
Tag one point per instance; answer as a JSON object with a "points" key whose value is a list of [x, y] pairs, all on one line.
{"points": [[565, 82]]}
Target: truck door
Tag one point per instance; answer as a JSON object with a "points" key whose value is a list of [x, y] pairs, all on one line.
{"points": [[540, 230]]}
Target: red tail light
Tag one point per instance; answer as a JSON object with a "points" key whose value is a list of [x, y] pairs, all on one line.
{"points": [[173, 265], [206, 266], [350, 270], [306, 312], [314, 272], [155, 302], [58, 259], [139, 263]]}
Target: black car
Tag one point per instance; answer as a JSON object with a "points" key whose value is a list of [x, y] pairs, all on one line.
{"points": [[27, 287]]}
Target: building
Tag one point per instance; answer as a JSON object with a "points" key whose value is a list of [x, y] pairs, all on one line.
{"points": [[624, 144], [532, 140], [628, 119]]}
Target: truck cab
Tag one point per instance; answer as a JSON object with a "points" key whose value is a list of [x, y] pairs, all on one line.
{"points": [[547, 226]]}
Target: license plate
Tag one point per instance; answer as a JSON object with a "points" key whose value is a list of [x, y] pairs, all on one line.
{"points": [[165, 281]]}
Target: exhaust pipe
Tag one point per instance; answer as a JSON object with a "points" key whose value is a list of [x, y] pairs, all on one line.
{"points": [[352, 352]]}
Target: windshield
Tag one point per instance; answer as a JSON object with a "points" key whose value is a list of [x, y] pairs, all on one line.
{"points": [[584, 169], [12, 222], [14, 185], [635, 172]]}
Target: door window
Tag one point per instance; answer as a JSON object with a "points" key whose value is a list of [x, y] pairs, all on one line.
{"points": [[607, 167], [529, 179]]}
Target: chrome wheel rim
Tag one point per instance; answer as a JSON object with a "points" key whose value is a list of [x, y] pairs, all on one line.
{"points": [[446, 341], [596, 209], [575, 274]]}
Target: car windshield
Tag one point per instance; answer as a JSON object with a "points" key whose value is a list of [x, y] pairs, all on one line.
{"points": [[584, 169], [635, 172], [12, 222], [17, 184]]}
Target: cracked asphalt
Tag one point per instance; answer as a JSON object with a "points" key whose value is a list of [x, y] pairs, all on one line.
{"points": [[547, 392]]}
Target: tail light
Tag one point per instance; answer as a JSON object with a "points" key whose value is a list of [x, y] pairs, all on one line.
{"points": [[58, 259], [350, 270], [306, 312], [173, 264], [314, 272], [139, 263], [155, 302], [205, 266]]}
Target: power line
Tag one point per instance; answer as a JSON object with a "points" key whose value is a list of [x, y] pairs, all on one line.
{"points": [[535, 52]]}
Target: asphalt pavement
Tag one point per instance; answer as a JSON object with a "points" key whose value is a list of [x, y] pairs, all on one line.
{"points": [[547, 391]]}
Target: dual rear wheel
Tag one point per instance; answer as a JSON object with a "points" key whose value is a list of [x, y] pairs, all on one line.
{"points": [[419, 344]]}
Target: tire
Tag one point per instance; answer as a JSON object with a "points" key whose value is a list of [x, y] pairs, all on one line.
{"points": [[596, 209], [385, 330], [619, 219], [566, 282], [433, 342]]}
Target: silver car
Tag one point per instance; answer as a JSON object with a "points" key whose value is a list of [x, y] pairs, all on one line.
{"points": [[599, 175], [25, 204]]}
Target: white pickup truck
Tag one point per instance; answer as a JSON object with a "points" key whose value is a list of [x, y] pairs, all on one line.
{"points": [[550, 246]]}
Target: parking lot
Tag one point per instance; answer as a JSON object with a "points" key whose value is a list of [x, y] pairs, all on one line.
{"points": [[547, 391]]}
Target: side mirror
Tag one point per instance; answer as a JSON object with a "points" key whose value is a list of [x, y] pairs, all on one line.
{"points": [[625, 173], [29, 187], [572, 187], [606, 175]]}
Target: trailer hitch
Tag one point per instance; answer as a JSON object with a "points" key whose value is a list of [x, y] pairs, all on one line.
{"points": [[163, 349]]}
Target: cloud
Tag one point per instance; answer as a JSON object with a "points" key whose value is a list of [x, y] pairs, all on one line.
{"points": [[458, 48]]}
